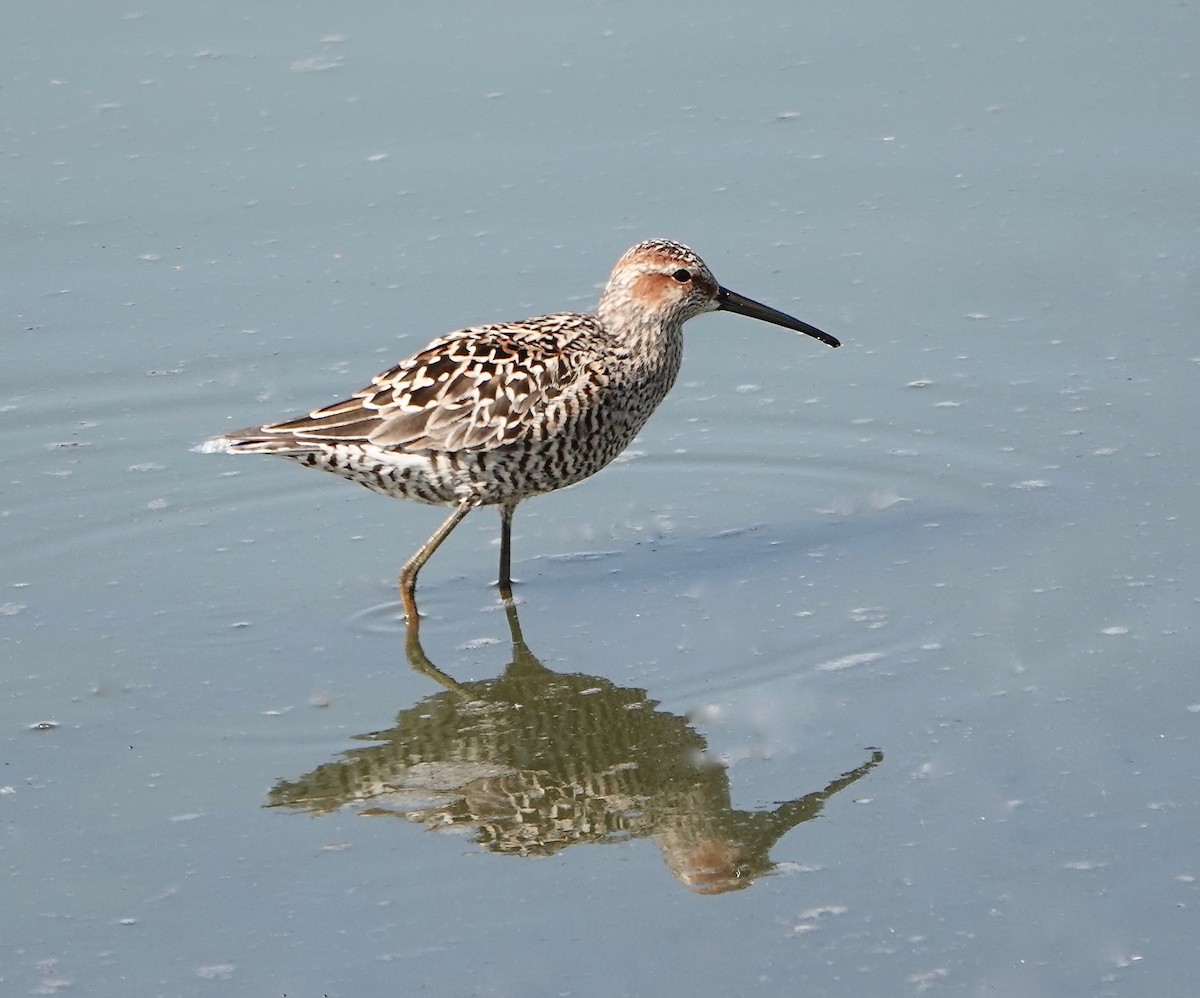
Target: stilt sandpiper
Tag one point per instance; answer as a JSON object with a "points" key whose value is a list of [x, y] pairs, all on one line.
{"points": [[491, 415]]}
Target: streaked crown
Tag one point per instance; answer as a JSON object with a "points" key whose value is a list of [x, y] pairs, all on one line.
{"points": [[658, 280]]}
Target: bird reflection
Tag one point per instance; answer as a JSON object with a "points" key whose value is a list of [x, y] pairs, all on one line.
{"points": [[535, 761]]}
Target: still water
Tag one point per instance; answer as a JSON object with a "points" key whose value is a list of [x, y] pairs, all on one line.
{"points": [[864, 672]]}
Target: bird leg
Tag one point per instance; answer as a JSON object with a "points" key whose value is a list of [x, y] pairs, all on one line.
{"points": [[505, 580], [408, 574]]}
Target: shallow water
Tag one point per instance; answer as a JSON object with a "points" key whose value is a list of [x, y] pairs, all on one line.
{"points": [[956, 558]]}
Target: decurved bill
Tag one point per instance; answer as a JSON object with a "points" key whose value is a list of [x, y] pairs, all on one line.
{"points": [[731, 301]]}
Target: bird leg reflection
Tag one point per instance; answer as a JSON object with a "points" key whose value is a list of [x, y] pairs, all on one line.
{"points": [[421, 662]]}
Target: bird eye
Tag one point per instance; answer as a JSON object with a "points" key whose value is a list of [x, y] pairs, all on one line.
{"points": [[682, 276]]}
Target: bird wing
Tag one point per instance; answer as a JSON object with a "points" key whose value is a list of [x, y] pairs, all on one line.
{"points": [[476, 388]]}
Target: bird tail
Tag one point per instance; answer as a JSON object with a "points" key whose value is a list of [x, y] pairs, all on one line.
{"points": [[253, 440]]}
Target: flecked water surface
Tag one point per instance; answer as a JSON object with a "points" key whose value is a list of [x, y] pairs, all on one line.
{"points": [[901, 637]]}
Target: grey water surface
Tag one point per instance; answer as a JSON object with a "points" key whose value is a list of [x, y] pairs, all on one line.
{"points": [[864, 672]]}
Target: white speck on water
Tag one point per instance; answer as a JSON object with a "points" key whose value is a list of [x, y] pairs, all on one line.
{"points": [[806, 919], [476, 643], [849, 661], [790, 869], [926, 980], [318, 64], [377, 157], [1083, 864], [919, 383], [1116, 629], [50, 984], [216, 971], [876, 616], [822, 911], [1126, 961], [191, 816], [1031, 484]]}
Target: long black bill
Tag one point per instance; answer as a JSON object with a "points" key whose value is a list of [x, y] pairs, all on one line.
{"points": [[731, 301]]}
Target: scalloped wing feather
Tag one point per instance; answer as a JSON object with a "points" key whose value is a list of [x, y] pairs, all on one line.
{"points": [[476, 388]]}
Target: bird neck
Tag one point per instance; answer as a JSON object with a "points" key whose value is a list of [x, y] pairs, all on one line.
{"points": [[645, 333]]}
